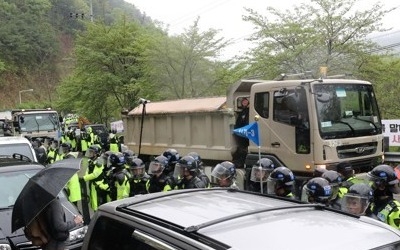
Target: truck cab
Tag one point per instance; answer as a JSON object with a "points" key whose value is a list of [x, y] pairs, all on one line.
{"points": [[304, 124]]}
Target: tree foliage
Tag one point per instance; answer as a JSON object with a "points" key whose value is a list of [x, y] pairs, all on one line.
{"points": [[184, 65], [107, 72], [327, 33]]}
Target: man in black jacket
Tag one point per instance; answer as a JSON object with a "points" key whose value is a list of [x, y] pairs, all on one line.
{"points": [[57, 226]]}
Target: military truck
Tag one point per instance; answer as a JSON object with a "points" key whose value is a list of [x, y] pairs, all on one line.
{"points": [[303, 124], [36, 123]]}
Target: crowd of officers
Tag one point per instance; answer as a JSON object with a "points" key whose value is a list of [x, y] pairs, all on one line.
{"points": [[113, 175]]}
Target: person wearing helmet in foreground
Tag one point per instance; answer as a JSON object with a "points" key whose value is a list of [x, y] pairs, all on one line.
{"points": [[280, 182], [186, 172], [358, 199], [94, 175], [384, 183], [118, 177], [317, 190], [224, 175], [159, 181], [259, 174], [139, 177]]}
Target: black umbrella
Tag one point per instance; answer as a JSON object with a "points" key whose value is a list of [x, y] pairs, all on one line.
{"points": [[40, 190]]}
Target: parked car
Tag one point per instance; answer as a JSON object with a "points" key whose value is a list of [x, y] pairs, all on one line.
{"points": [[17, 144], [230, 219], [14, 173]]}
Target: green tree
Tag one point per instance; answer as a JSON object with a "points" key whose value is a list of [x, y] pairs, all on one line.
{"points": [[108, 70], [185, 65], [26, 37], [328, 33], [383, 72]]}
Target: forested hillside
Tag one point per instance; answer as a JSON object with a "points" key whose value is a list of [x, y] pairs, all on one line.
{"points": [[37, 40]]}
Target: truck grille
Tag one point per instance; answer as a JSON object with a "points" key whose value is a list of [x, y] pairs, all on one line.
{"points": [[356, 150]]}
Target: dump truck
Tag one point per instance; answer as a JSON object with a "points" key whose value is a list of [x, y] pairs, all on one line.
{"points": [[302, 124]]}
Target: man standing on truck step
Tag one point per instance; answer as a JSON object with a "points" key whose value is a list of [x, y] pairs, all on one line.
{"points": [[239, 156]]}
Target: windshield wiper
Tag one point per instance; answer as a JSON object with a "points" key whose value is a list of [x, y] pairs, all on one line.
{"points": [[373, 124], [353, 133]]}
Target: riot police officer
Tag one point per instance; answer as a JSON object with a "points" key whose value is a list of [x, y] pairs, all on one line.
{"points": [[335, 180], [139, 177], [259, 175], [200, 169], [159, 181], [118, 177], [186, 172], [317, 190], [95, 176], [358, 199], [280, 182], [385, 184], [224, 175]]}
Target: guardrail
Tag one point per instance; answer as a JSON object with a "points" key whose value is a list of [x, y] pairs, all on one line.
{"points": [[392, 157]]}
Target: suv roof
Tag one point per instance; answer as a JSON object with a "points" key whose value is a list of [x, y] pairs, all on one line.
{"points": [[231, 219]]}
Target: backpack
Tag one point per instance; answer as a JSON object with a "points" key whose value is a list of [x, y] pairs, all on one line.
{"points": [[36, 232]]}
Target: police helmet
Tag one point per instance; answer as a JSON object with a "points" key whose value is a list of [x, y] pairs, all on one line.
{"points": [[172, 156], [280, 177], [335, 180], [93, 151], [223, 171], [261, 169], [318, 190], [158, 165], [185, 163], [357, 199], [117, 160], [382, 175], [137, 167], [198, 159]]}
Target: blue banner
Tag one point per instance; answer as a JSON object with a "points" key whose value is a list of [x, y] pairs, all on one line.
{"points": [[250, 132]]}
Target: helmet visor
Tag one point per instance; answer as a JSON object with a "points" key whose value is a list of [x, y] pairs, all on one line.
{"points": [[155, 168], [355, 204], [258, 174]]}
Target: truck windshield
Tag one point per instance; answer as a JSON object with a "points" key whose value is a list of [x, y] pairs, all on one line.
{"points": [[346, 110], [39, 122]]}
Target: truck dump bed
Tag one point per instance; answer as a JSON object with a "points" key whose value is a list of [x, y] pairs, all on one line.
{"points": [[202, 125]]}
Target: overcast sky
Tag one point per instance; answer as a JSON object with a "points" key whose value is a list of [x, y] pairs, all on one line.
{"points": [[226, 15]]}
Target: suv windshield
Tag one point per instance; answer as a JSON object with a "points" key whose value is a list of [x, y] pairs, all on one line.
{"points": [[346, 110], [12, 184], [38, 122]]}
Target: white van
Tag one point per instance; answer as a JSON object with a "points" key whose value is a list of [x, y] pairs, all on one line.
{"points": [[10, 145]]}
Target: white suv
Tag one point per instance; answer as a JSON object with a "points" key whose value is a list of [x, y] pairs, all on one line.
{"points": [[230, 219], [10, 145]]}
